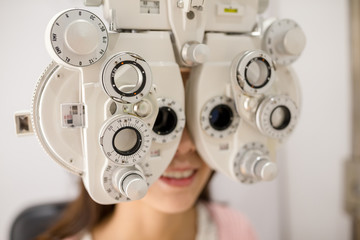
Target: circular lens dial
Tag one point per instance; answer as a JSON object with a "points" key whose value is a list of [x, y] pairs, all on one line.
{"points": [[253, 72], [276, 116], [170, 121], [219, 117], [125, 140], [126, 77], [78, 38]]}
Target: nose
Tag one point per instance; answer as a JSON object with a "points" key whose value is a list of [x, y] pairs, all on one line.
{"points": [[186, 144]]}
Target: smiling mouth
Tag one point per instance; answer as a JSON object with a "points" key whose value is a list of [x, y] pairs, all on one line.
{"points": [[178, 174], [179, 178]]}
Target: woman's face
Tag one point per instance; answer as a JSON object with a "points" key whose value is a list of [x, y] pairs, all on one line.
{"points": [[183, 181]]}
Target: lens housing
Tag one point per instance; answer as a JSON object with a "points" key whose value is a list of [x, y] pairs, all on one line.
{"points": [[276, 116], [126, 77], [166, 121], [170, 121], [219, 117], [253, 72]]}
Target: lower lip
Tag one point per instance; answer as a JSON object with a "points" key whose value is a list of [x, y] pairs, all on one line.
{"points": [[182, 182]]}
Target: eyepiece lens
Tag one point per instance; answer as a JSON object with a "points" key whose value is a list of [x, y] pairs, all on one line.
{"points": [[127, 78], [257, 73], [280, 117], [166, 121], [221, 117], [127, 141]]}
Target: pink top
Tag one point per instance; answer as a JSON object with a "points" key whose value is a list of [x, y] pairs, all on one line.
{"points": [[231, 225]]}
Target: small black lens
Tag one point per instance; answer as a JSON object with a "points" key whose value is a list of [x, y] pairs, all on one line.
{"points": [[166, 121], [221, 117], [280, 118]]}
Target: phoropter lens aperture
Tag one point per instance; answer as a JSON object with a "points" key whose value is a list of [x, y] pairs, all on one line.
{"points": [[280, 117], [166, 121], [127, 141], [257, 72], [221, 117]]}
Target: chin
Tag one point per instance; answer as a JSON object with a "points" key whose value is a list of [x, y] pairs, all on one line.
{"points": [[171, 201]]}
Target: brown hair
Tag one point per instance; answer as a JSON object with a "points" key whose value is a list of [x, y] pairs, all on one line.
{"points": [[84, 214]]}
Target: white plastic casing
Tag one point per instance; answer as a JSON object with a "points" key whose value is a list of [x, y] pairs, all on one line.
{"points": [[214, 78], [195, 34], [79, 149]]}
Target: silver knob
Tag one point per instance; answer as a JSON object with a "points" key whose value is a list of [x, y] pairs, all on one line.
{"points": [[143, 108], [265, 170], [134, 186], [195, 53], [130, 182], [258, 166]]}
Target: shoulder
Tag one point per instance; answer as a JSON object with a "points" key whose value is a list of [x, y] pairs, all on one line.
{"points": [[230, 223]]}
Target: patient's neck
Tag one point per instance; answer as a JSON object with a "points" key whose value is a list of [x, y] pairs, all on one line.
{"points": [[137, 220]]}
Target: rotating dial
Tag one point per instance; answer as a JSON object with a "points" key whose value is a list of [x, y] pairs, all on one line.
{"points": [[170, 121], [126, 77], [219, 117], [252, 164], [77, 37], [276, 116], [124, 184], [125, 140], [253, 72], [284, 40]]}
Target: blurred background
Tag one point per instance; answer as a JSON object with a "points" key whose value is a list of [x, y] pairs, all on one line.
{"points": [[305, 202]]}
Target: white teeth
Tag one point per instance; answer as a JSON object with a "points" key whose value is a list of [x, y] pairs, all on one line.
{"points": [[178, 174]]}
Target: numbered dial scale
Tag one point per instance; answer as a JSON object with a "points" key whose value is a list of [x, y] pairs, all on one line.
{"points": [[126, 77], [170, 121], [219, 118], [76, 37], [253, 72], [125, 139], [284, 40], [252, 164]]}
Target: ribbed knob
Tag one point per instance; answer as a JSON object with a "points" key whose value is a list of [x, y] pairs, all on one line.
{"points": [[134, 186], [265, 170], [195, 53], [257, 166]]}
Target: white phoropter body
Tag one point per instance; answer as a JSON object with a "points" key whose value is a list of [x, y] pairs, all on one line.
{"points": [[111, 107]]}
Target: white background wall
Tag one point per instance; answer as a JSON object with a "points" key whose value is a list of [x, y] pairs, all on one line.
{"points": [[305, 202]]}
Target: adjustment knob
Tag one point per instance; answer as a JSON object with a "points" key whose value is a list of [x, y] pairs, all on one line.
{"points": [[284, 40], [76, 37], [143, 108], [195, 53], [252, 164], [134, 186], [258, 166], [131, 183], [265, 170]]}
